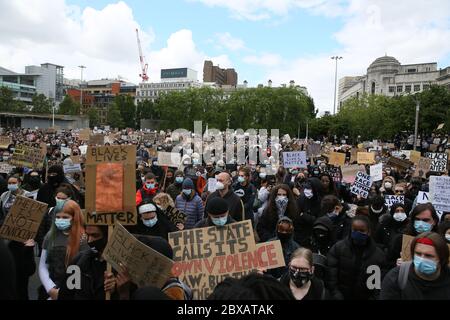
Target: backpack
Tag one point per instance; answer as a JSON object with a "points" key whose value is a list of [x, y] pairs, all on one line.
{"points": [[175, 282], [403, 274]]}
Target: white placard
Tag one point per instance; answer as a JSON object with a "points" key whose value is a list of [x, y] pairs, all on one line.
{"points": [[362, 185], [170, 159], [440, 192], [212, 184], [66, 151], [376, 172], [390, 200], [295, 159], [423, 197], [72, 168]]}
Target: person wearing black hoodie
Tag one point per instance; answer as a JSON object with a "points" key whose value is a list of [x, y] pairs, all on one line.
{"points": [[8, 288], [378, 211], [23, 255], [309, 201], [427, 277], [348, 261], [32, 183]]}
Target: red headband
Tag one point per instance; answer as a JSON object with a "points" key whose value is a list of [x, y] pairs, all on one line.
{"points": [[426, 241]]}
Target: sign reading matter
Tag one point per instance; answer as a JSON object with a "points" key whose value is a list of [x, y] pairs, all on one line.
{"points": [[23, 220], [111, 185], [390, 200], [295, 159], [146, 266], [361, 186], [440, 192], [205, 257], [438, 161], [28, 157]]}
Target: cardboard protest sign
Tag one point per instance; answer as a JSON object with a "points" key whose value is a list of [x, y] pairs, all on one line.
{"points": [[66, 151], [5, 167], [406, 248], [275, 248], [433, 147], [399, 163], [85, 134], [97, 140], [5, 142], [111, 185], [440, 192], [376, 172], [353, 155], [423, 197], [175, 215], [334, 172], [146, 266], [422, 168], [29, 157], [366, 158], [212, 184], [313, 150], [362, 185], [76, 167], [169, 159], [390, 200], [205, 257], [414, 156], [23, 220], [337, 159], [438, 161], [295, 159]]}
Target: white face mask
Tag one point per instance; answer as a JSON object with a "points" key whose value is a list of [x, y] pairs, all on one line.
{"points": [[399, 216], [220, 186], [388, 185], [308, 193], [447, 237]]}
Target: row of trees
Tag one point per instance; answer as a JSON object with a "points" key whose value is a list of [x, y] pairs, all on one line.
{"points": [[8, 103], [380, 117]]}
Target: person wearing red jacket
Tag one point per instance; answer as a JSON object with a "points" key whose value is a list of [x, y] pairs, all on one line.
{"points": [[149, 189]]}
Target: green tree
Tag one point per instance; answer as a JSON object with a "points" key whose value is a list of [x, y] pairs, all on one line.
{"points": [[114, 118], [125, 104], [144, 110], [6, 99], [41, 104], [69, 107], [94, 119]]}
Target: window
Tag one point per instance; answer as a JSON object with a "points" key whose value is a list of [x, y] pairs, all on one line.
{"points": [[412, 70], [391, 89], [373, 87], [408, 88], [417, 87], [399, 88], [426, 86]]}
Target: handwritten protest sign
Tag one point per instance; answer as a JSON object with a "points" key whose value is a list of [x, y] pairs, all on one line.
{"points": [[295, 159], [438, 161], [97, 140], [175, 215], [212, 184], [5, 142], [169, 159], [334, 172], [146, 267], [406, 248], [76, 167], [29, 157], [399, 163], [414, 156], [5, 167], [362, 184], [366, 158], [422, 168], [376, 172], [440, 192], [23, 220], [423, 197], [337, 159], [85, 134], [111, 185], [313, 150], [390, 200]]}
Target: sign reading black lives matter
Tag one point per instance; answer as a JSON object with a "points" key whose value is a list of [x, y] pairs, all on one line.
{"points": [[438, 161], [205, 257], [362, 184], [390, 200], [23, 220]]}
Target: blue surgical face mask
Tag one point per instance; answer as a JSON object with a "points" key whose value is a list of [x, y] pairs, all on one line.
{"points": [[179, 179], [241, 179], [150, 185], [220, 222], [187, 191], [60, 204], [422, 226], [63, 224], [13, 187], [150, 222], [425, 266]]}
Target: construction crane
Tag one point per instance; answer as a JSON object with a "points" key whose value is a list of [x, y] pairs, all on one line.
{"points": [[144, 66]]}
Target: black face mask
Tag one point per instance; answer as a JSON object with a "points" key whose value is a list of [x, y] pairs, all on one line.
{"points": [[35, 181], [98, 245], [284, 237], [55, 180], [321, 238], [209, 169], [299, 278]]}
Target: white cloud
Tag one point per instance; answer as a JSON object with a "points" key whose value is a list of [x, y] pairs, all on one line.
{"points": [[265, 59], [38, 31], [226, 40]]}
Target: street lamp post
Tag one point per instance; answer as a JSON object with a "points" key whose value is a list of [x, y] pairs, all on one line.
{"points": [[81, 88], [416, 126], [335, 81]]}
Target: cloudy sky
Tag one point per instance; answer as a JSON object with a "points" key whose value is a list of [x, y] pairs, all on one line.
{"points": [[281, 40]]}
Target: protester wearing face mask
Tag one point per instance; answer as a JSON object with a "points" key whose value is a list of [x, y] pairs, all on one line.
{"points": [[300, 277], [168, 179], [387, 186], [217, 210], [224, 191], [309, 201], [95, 280], [444, 230], [427, 277], [299, 183], [332, 210], [149, 189], [152, 222], [378, 211], [262, 199], [32, 183], [8, 198], [61, 244], [281, 204], [246, 191], [348, 261], [163, 201], [174, 189], [285, 233], [190, 203]]}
